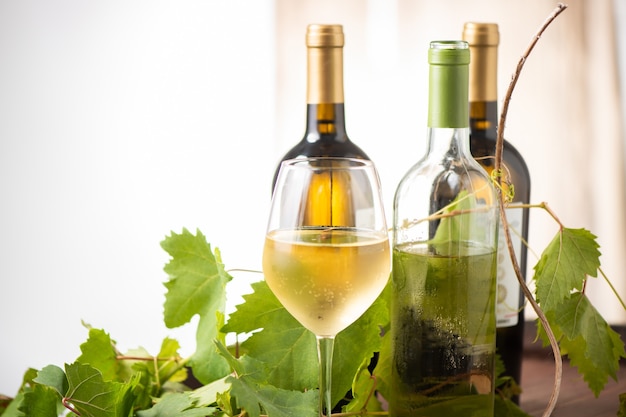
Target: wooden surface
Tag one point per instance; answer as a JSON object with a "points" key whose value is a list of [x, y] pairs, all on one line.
{"points": [[575, 399]]}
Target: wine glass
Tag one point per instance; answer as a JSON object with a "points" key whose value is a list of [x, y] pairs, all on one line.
{"points": [[326, 254]]}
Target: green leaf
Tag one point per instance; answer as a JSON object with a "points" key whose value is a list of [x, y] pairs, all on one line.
{"points": [[283, 344], [168, 361], [382, 372], [622, 405], [166, 366], [457, 227], [209, 394], [506, 386], [143, 370], [260, 309], [363, 392], [507, 408], [54, 377], [41, 401], [91, 396], [13, 407], [357, 344], [276, 402], [197, 278], [590, 343], [289, 350], [176, 404], [567, 260], [206, 364], [197, 285], [156, 371], [254, 396], [226, 403], [99, 352]]}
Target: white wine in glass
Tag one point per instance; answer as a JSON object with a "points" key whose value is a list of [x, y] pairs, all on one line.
{"points": [[326, 255]]}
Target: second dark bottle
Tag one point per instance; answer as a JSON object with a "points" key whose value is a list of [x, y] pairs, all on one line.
{"points": [[483, 39]]}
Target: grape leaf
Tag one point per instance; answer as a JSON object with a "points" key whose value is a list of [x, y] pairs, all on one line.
{"points": [[505, 407], [590, 343], [209, 394], [289, 349], [91, 396], [283, 343], [176, 404], [363, 388], [99, 352], [382, 372], [275, 401], [197, 278], [292, 354], [169, 362], [622, 405], [258, 309], [154, 373], [469, 222], [13, 407], [41, 401], [54, 377], [357, 343], [29, 376], [197, 285], [567, 260], [506, 386], [254, 395], [167, 366]]}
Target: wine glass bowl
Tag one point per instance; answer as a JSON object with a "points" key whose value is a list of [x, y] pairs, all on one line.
{"points": [[326, 254]]}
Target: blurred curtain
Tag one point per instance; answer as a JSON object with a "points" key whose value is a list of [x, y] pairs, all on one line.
{"points": [[565, 116]]}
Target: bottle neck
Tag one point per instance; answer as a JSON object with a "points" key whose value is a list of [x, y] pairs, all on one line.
{"points": [[448, 110], [448, 97], [324, 75], [483, 74], [448, 144], [325, 102], [326, 121], [484, 119], [483, 93]]}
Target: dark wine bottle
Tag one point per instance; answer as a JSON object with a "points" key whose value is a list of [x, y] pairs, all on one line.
{"points": [[325, 133], [483, 39]]}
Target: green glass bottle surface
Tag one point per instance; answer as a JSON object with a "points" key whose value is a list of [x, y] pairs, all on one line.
{"points": [[445, 224]]}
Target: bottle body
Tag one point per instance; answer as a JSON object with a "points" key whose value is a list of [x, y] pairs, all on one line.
{"points": [[483, 39], [325, 133], [444, 262]]}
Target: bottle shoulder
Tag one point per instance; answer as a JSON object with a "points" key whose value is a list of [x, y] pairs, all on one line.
{"points": [[431, 172], [434, 190], [325, 145], [484, 146]]}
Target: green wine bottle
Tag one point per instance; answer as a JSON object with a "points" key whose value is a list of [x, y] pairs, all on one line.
{"points": [[445, 223]]}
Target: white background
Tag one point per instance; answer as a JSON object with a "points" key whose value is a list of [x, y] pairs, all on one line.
{"points": [[121, 121]]}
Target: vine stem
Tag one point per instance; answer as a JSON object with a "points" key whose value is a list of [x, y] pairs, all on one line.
{"points": [[558, 361], [612, 288], [67, 404]]}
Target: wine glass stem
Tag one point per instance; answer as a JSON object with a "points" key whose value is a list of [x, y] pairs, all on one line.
{"points": [[325, 347]]}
